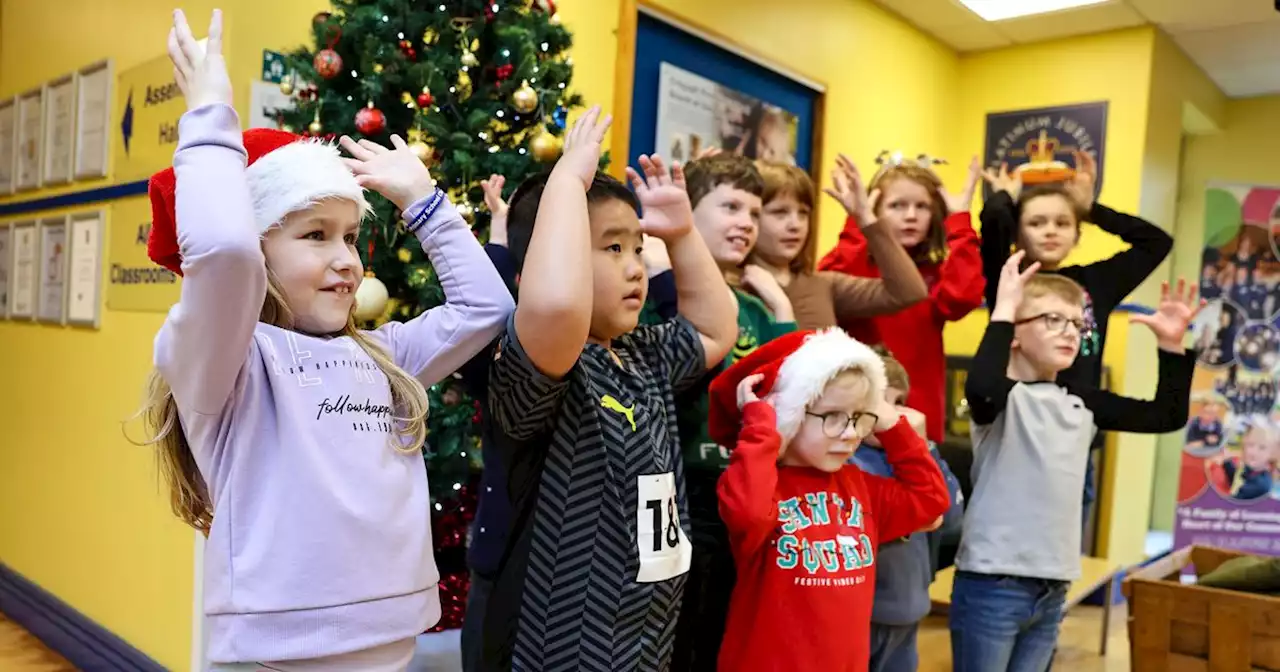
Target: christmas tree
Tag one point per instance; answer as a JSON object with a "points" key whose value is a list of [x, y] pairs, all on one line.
{"points": [[477, 87]]}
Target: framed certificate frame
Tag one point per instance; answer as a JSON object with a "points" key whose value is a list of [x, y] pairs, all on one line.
{"points": [[59, 134], [6, 264], [93, 118], [22, 275], [30, 126], [8, 142], [84, 274], [51, 293]]}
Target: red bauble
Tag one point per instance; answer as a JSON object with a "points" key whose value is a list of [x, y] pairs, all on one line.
{"points": [[548, 6], [425, 99], [370, 121], [327, 63], [505, 71]]}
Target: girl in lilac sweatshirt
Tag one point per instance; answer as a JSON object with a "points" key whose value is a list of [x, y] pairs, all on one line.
{"points": [[288, 436]]}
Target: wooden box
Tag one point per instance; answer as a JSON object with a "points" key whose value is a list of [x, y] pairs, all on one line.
{"points": [[1183, 628]]}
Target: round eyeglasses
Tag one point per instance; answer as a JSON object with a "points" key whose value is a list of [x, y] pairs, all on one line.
{"points": [[835, 423]]}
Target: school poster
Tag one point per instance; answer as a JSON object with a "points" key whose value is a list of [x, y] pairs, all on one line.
{"points": [[1229, 488], [695, 113], [1039, 144]]}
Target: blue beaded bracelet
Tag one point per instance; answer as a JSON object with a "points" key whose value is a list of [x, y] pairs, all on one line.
{"points": [[432, 205]]}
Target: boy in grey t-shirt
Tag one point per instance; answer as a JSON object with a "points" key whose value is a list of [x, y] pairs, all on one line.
{"points": [[1031, 435]]}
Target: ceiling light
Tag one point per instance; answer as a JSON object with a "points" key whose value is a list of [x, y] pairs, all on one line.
{"points": [[999, 10]]}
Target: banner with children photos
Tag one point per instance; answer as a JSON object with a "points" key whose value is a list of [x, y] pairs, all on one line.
{"points": [[1229, 487]]}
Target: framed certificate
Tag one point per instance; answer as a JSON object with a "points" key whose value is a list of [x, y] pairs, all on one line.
{"points": [[22, 283], [59, 130], [84, 277], [30, 119], [52, 290], [93, 117], [6, 263], [8, 142]]}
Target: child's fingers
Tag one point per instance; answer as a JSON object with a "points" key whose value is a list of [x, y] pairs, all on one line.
{"points": [[664, 174], [398, 142], [637, 182], [373, 147], [176, 55], [355, 150], [186, 41], [214, 46], [1031, 270], [181, 80], [677, 175], [355, 165]]}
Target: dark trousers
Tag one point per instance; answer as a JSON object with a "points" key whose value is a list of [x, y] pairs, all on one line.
{"points": [[709, 584], [473, 622], [893, 648]]}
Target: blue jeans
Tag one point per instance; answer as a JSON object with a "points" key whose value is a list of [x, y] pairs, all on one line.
{"points": [[893, 648], [1004, 623]]}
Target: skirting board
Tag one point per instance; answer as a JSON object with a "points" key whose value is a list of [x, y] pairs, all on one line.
{"points": [[72, 635]]}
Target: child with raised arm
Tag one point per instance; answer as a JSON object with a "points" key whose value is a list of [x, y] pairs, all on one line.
{"points": [[585, 402], [805, 524], [1020, 547], [291, 438]]}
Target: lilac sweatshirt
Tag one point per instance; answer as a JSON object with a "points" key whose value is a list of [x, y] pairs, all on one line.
{"points": [[321, 538]]}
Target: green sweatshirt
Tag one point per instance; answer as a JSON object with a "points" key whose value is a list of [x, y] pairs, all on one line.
{"points": [[755, 328]]}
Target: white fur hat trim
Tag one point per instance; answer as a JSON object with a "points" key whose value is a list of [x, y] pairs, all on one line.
{"points": [[804, 374], [295, 177]]}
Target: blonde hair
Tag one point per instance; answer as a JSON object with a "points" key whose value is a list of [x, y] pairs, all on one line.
{"points": [[934, 248], [1051, 284], [894, 372], [782, 180], [188, 493]]}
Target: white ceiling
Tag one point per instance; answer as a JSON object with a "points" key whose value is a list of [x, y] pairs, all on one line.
{"points": [[1237, 42]]}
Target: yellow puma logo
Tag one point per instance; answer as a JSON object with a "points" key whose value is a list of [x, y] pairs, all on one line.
{"points": [[616, 406]]}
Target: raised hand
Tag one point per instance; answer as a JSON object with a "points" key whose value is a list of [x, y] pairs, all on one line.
{"points": [[668, 214], [1009, 291], [1004, 181], [708, 152], [887, 415], [581, 155], [201, 72], [1081, 186], [847, 188], [397, 174], [763, 284], [1173, 316], [492, 188], [963, 201]]}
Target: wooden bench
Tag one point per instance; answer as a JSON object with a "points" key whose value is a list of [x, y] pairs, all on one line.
{"points": [[1095, 573]]}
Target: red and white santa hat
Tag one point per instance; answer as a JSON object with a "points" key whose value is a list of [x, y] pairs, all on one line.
{"points": [[286, 173], [796, 369]]}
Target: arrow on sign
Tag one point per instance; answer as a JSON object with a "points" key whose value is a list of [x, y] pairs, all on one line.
{"points": [[126, 123]]}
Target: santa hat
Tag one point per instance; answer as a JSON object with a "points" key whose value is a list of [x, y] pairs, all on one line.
{"points": [[796, 369], [286, 173]]}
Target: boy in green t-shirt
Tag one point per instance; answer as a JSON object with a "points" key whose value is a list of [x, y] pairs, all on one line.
{"points": [[726, 192]]}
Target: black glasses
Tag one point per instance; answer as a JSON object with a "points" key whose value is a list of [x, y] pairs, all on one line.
{"points": [[1055, 323], [835, 422]]}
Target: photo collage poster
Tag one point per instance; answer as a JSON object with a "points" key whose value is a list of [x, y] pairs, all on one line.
{"points": [[1229, 485]]}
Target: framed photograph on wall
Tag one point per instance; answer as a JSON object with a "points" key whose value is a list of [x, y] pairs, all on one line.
{"points": [[30, 121], [59, 130], [93, 118], [84, 275], [52, 288], [8, 142], [6, 263], [22, 283]]}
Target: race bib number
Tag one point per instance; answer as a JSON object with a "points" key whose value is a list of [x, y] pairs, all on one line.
{"points": [[664, 550]]}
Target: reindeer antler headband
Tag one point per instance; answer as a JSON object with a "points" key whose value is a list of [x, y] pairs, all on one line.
{"points": [[887, 159]]}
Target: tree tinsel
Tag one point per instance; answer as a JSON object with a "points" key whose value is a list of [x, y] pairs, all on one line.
{"points": [[477, 88]]}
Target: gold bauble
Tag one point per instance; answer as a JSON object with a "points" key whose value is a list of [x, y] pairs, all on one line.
{"points": [[286, 86], [429, 36], [371, 298], [316, 127], [468, 213], [377, 68], [469, 59], [525, 99], [545, 147], [464, 85], [422, 150]]}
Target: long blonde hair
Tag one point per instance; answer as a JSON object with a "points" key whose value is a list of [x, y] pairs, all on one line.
{"points": [[188, 493]]}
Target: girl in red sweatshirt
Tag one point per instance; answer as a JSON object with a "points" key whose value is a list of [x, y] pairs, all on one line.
{"points": [[805, 525], [935, 228]]}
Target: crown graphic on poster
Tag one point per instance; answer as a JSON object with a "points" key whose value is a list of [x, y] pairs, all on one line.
{"points": [[1042, 164]]}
